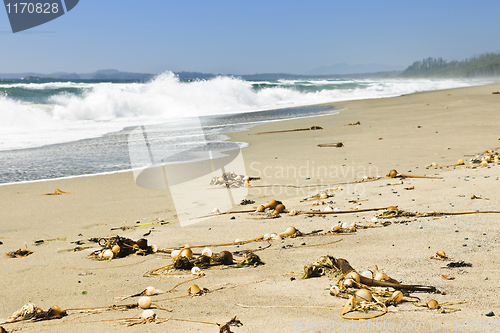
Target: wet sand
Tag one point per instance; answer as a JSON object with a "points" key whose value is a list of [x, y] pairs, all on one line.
{"points": [[405, 133]]}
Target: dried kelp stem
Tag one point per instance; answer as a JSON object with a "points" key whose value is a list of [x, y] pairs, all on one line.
{"points": [[414, 176], [178, 284], [157, 269], [338, 240], [348, 307], [288, 307], [97, 268], [313, 128], [462, 213], [211, 290], [344, 211], [105, 308]]}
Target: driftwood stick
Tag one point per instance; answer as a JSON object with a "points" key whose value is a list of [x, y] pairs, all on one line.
{"points": [[345, 211]]}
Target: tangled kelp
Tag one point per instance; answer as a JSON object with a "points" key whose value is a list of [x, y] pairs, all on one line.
{"points": [[333, 266], [119, 247], [19, 253], [34, 313], [224, 258]]}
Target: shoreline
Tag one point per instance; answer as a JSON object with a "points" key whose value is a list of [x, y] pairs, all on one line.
{"points": [[335, 105], [100, 206]]}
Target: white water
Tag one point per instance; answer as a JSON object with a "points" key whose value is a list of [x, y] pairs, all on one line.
{"points": [[109, 107]]}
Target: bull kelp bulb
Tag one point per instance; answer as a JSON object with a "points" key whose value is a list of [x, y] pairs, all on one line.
{"points": [[261, 208], [195, 270], [194, 289], [334, 290], [175, 253], [206, 252], [364, 295], [289, 231], [147, 314], [432, 304], [108, 254], [367, 274], [56, 310], [353, 275], [348, 282], [115, 249], [150, 291], [397, 296], [144, 302], [187, 252]]}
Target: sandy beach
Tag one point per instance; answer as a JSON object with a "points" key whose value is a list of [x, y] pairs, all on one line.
{"points": [[407, 133]]}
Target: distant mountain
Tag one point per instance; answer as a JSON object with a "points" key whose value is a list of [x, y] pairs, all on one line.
{"points": [[345, 68], [113, 74], [104, 74]]}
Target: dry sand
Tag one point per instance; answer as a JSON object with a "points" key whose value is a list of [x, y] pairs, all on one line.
{"points": [[404, 133]]}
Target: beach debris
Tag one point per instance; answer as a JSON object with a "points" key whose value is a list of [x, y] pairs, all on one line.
{"points": [[354, 124], [224, 258], [312, 128], [336, 144], [460, 263], [195, 290], [19, 253], [432, 304], [496, 92], [341, 267], [120, 247], [246, 202], [439, 255], [41, 241], [446, 277], [231, 179], [149, 291], [488, 156], [440, 307], [58, 192], [393, 212], [362, 301], [32, 312], [394, 174], [489, 314]]}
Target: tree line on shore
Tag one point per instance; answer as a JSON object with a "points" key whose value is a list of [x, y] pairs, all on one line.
{"points": [[485, 65]]}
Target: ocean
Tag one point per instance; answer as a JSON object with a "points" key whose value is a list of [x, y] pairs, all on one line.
{"points": [[57, 129]]}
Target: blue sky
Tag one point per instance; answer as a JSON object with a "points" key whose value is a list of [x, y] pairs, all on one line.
{"points": [[245, 37]]}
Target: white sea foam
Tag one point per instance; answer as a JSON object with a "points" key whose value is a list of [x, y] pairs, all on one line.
{"points": [[106, 107]]}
